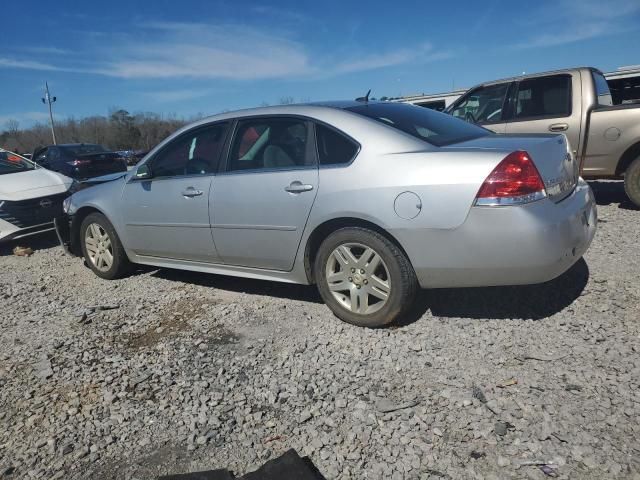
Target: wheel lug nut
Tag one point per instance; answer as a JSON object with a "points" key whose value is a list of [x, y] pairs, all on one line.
{"points": [[366, 282], [350, 279], [362, 270], [358, 286], [353, 270]]}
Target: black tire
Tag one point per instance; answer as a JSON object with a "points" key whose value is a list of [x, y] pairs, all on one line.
{"points": [[632, 182], [121, 264], [401, 277]]}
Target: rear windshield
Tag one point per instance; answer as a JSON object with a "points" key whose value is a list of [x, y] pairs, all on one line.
{"points": [[12, 163], [84, 149], [436, 128]]}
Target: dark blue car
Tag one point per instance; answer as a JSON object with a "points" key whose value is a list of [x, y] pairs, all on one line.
{"points": [[79, 160]]}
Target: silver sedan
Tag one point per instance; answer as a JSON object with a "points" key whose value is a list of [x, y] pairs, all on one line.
{"points": [[370, 201]]}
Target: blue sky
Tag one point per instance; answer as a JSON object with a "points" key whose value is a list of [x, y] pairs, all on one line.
{"points": [[191, 57]]}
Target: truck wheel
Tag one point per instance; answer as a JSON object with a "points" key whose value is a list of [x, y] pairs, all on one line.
{"points": [[632, 182], [364, 278]]}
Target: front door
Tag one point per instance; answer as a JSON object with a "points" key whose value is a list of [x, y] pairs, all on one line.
{"points": [[167, 214], [262, 201]]}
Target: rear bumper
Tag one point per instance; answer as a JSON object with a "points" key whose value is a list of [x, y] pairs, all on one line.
{"points": [[529, 244]]}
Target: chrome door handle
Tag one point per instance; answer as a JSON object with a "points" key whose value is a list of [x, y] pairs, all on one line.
{"points": [[558, 127], [191, 192], [298, 187]]}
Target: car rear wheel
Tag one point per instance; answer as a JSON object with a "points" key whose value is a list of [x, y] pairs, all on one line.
{"points": [[101, 247], [364, 278], [632, 182]]}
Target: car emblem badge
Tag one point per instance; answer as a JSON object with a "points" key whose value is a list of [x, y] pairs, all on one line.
{"points": [[46, 203]]}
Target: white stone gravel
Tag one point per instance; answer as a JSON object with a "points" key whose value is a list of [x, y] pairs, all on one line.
{"points": [[194, 372]]}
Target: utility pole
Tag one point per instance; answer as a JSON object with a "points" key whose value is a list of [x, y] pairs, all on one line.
{"points": [[48, 100]]}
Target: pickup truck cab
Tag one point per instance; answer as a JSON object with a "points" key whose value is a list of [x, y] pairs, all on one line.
{"points": [[604, 138]]}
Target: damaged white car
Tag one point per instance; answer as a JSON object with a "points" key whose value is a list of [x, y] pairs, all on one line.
{"points": [[30, 196]]}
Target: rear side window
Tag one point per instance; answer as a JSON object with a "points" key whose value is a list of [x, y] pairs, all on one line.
{"points": [[83, 149], [603, 94], [544, 97], [270, 143], [436, 128], [333, 147]]}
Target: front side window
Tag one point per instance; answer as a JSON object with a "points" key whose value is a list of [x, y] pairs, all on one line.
{"points": [[269, 143], [333, 147], [544, 97], [482, 105], [193, 153], [12, 163], [436, 128]]}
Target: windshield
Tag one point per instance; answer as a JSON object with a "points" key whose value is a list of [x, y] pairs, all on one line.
{"points": [[13, 163], [433, 127], [84, 149]]}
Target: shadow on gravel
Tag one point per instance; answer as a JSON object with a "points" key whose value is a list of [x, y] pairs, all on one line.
{"points": [[609, 192], [306, 293], [518, 302], [36, 242]]}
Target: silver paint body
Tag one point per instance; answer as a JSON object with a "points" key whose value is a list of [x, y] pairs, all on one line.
{"points": [[246, 224]]}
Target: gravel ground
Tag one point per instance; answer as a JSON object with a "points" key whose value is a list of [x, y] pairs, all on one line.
{"points": [[169, 372]]}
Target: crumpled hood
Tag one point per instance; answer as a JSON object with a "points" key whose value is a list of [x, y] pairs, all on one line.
{"points": [[105, 178], [32, 184]]}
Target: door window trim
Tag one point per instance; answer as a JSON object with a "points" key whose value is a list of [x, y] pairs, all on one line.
{"points": [[229, 123], [340, 132], [513, 118], [310, 149]]}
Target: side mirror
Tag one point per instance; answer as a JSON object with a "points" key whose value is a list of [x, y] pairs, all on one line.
{"points": [[143, 172]]}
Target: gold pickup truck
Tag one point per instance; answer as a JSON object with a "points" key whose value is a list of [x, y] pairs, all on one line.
{"points": [[605, 138]]}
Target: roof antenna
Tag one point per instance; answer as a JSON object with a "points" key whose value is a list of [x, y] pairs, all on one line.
{"points": [[365, 98]]}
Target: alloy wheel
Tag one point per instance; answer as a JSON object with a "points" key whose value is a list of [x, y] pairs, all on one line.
{"points": [[99, 247], [358, 278]]}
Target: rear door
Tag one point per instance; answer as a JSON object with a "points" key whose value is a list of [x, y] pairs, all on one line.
{"points": [[262, 199], [485, 105], [167, 215], [549, 104]]}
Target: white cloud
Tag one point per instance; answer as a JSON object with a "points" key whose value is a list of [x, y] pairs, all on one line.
{"points": [[27, 64], [157, 50], [169, 96], [27, 117], [422, 54], [572, 21]]}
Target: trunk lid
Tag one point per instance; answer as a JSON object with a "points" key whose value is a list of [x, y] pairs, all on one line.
{"points": [[552, 158]]}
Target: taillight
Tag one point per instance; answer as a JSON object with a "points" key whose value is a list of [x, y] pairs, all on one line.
{"points": [[514, 181], [77, 162]]}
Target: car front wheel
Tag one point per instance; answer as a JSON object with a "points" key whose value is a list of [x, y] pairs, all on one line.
{"points": [[364, 278], [101, 247]]}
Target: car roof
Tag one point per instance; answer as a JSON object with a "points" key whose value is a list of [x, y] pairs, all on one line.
{"points": [[303, 109], [533, 75]]}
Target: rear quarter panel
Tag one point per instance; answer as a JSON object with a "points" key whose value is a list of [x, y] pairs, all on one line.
{"points": [[445, 182]]}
